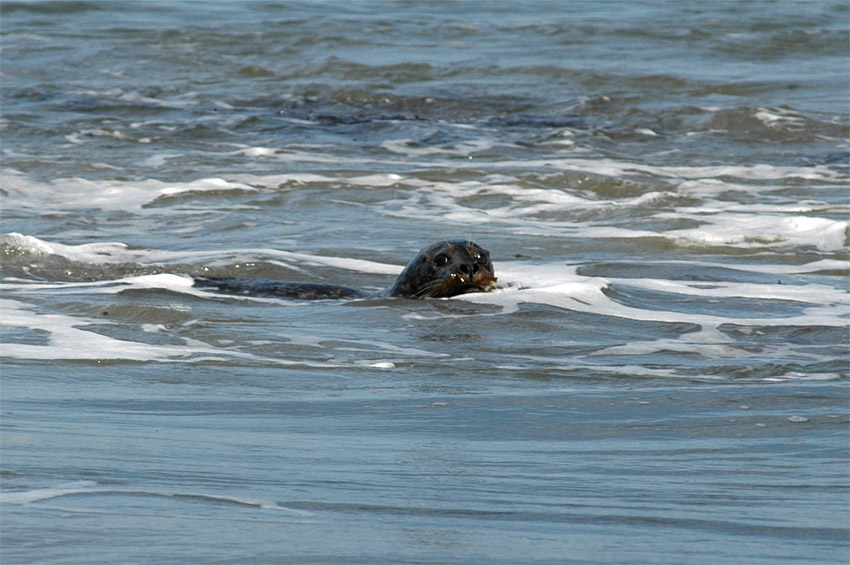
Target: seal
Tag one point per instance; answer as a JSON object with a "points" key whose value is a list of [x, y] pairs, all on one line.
{"points": [[440, 270]]}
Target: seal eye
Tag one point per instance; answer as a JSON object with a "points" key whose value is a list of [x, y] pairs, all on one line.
{"points": [[441, 260]]}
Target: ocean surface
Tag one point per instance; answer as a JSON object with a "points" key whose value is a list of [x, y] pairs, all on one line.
{"points": [[660, 377]]}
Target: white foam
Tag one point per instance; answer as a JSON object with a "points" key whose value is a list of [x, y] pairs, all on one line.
{"points": [[411, 148], [724, 223], [116, 252], [810, 293], [646, 131], [603, 167], [66, 194], [779, 118], [749, 230], [586, 295], [182, 101], [68, 341], [90, 487], [707, 342], [357, 265], [159, 160], [36, 495], [26, 244], [258, 151], [82, 136], [281, 180], [370, 345], [94, 253], [389, 179], [563, 288]]}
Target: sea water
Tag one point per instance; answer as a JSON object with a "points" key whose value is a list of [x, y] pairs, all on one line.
{"points": [[661, 376]]}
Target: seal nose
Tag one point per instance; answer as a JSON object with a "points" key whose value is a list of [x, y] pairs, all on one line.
{"points": [[468, 269]]}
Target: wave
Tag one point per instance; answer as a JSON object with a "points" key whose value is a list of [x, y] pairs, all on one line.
{"points": [[706, 316], [91, 488]]}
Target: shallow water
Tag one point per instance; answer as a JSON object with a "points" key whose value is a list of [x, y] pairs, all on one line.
{"points": [[661, 376]]}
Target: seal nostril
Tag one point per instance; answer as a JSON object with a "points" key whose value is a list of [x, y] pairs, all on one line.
{"points": [[465, 269]]}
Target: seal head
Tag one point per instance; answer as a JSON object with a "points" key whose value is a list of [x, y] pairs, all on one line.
{"points": [[446, 268]]}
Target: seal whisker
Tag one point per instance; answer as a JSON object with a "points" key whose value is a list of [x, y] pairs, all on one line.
{"points": [[427, 290]]}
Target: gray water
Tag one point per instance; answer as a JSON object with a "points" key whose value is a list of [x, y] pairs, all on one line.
{"points": [[661, 376]]}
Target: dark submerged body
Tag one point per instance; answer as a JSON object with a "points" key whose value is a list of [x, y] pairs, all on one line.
{"points": [[442, 269]]}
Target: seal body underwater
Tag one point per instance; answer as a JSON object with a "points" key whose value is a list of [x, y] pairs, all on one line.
{"points": [[442, 269]]}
